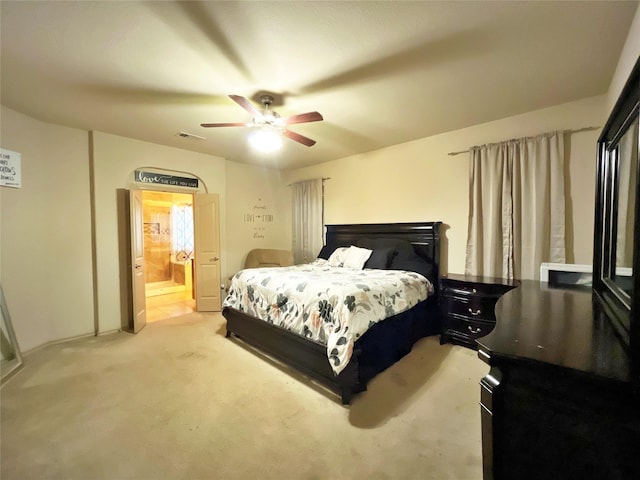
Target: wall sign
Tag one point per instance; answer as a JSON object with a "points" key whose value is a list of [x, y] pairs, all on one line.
{"points": [[260, 217], [10, 172], [151, 177]]}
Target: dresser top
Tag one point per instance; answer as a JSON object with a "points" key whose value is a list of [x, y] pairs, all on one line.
{"points": [[560, 328], [479, 279]]}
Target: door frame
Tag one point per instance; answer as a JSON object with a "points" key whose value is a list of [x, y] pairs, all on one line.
{"points": [[135, 298], [138, 263], [159, 188]]}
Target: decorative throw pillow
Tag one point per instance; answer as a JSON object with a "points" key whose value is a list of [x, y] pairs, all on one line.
{"points": [[417, 265], [326, 251], [380, 258], [336, 259], [356, 257]]}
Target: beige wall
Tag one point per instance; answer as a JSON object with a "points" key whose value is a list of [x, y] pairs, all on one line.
{"points": [[383, 186], [46, 261], [114, 160], [45, 247], [628, 58], [419, 181], [255, 191]]}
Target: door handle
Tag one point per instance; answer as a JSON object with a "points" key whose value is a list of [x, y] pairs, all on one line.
{"points": [[137, 266], [214, 259]]}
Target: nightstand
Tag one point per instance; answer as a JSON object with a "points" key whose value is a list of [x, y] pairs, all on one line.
{"points": [[468, 306]]}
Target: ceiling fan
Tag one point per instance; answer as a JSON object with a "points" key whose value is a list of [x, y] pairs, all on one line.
{"points": [[270, 120]]}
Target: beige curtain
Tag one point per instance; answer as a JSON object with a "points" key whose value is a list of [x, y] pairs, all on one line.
{"points": [[516, 207], [307, 220]]}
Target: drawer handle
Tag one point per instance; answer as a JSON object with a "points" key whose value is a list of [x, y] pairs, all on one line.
{"points": [[474, 330], [475, 313]]}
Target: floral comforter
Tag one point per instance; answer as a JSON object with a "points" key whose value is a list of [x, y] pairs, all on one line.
{"points": [[330, 305]]}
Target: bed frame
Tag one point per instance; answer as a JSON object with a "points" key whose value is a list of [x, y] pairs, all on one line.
{"points": [[310, 357]]}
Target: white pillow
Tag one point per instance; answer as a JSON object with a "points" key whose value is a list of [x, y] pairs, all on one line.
{"points": [[356, 257], [336, 259]]}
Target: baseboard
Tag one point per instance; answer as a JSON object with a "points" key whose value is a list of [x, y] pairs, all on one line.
{"points": [[56, 342]]}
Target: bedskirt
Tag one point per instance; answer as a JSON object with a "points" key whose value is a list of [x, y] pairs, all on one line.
{"points": [[382, 345]]}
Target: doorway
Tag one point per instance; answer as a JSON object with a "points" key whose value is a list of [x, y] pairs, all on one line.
{"points": [[168, 228]]}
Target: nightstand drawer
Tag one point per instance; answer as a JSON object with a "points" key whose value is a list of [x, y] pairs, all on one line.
{"points": [[470, 329], [468, 306], [462, 290], [475, 308]]}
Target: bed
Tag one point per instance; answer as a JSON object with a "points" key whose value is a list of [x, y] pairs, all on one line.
{"points": [[409, 247]]}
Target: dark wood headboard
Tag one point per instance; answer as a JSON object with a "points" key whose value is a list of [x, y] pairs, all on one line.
{"points": [[424, 236]]}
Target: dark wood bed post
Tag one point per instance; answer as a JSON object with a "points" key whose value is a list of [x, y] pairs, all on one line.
{"points": [[348, 378]]}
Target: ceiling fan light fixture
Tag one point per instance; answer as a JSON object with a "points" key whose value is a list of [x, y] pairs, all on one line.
{"points": [[266, 140], [269, 117], [271, 126]]}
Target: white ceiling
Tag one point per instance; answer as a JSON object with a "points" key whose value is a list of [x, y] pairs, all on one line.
{"points": [[381, 73]]}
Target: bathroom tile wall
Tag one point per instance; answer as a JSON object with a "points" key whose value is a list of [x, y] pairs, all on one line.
{"points": [[157, 242]]}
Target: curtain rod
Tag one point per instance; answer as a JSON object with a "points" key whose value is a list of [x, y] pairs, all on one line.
{"points": [[584, 129], [323, 179]]}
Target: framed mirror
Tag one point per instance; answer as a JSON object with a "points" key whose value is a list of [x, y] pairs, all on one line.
{"points": [[626, 186], [10, 356], [617, 225]]}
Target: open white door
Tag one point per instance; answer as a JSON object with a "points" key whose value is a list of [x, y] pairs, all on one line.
{"points": [[137, 261], [207, 252]]}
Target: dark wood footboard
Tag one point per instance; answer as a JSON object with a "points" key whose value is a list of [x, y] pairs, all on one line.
{"points": [[300, 353]]}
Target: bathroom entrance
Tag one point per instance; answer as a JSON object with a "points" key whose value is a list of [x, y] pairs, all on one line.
{"points": [[168, 254]]}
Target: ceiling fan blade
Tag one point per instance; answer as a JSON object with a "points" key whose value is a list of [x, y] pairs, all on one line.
{"points": [[302, 118], [233, 124], [296, 137], [246, 104]]}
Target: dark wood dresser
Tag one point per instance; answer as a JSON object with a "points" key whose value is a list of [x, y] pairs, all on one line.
{"points": [[559, 401], [467, 303]]}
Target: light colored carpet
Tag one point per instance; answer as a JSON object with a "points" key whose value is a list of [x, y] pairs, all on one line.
{"points": [[180, 401]]}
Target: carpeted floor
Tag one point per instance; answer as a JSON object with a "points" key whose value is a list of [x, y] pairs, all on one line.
{"points": [[180, 401]]}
